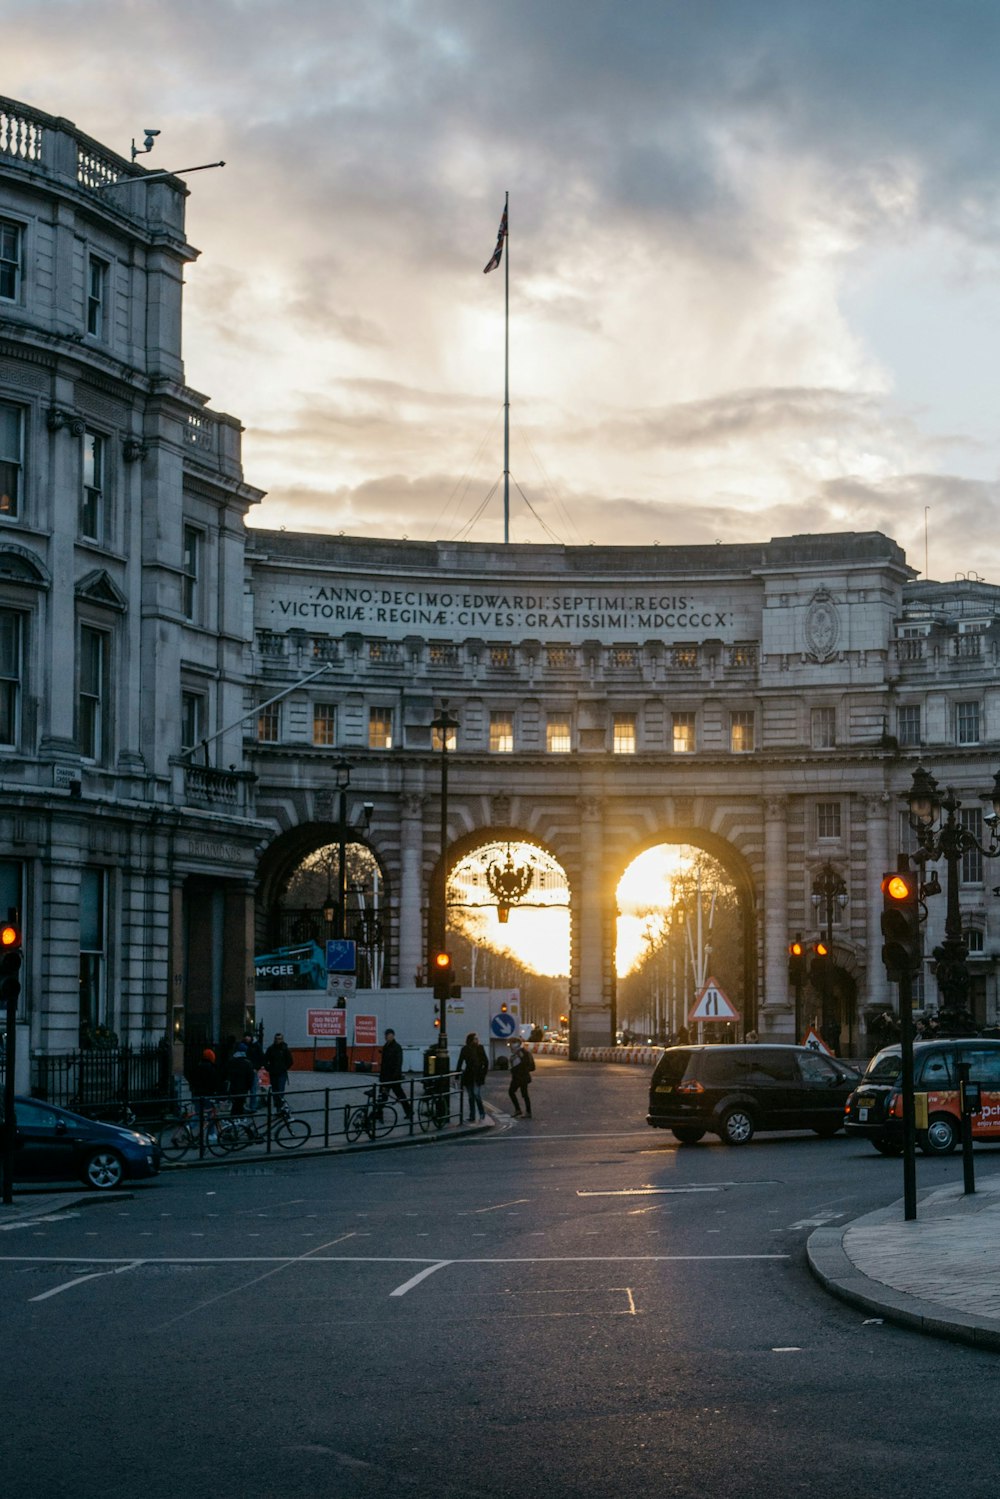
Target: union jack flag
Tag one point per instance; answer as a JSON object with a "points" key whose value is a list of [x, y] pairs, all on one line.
{"points": [[497, 255]]}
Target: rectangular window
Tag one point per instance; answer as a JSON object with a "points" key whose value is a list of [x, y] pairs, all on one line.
{"points": [[192, 719], [828, 820], [558, 656], [380, 728], [440, 653], [974, 941], [191, 571], [501, 733], [741, 732], [324, 723], [624, 657], [269, 724], [967, 723], [684, 657], [11, 458], [971, 819], [10, 261], [501, 657], [92, 701], [743, 655], [684, 733], [97, 293], [92, 491], [623, 734], [93, 941], [11, 667], [824, 728], [908, 725], [437, 738], [558, 740]]}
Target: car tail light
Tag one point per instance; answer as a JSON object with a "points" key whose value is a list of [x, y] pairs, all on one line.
{"points": [[690, 1087], [895, 1106]]}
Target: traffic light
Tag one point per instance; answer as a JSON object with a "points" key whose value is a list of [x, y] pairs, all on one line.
{"points": [[796, 963], [818, 964], [10, 963], [442, 975], [902, 949]]}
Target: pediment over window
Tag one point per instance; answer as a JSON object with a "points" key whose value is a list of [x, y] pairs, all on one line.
{"points": [[18, 565], [97, 588]]}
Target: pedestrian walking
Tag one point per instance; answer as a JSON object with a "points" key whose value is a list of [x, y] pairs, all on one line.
{"points": [[255, 1056], [278, 1061], [473, 1064], [522, 1065], [239, 1075], [390, 1073]]}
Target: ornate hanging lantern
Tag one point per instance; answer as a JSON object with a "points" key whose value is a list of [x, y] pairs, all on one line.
{"points": [[508, 885]]}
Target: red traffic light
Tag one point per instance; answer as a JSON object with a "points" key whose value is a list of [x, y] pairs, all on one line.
{"points": [[898, 887], [795, 949], [10, 936], [442, 961], [821, 950]]}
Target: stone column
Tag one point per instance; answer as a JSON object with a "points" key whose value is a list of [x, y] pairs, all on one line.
{"points": [[880, 992], [412, 951], [777, 1012], [591, 1016]]}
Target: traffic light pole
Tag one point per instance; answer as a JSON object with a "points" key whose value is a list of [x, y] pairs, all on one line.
{"points": [[909, 1113], [10, 1058]]}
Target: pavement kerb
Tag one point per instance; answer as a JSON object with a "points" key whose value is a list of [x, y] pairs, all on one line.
{"points": [[28, 1208], [837, 1272]]}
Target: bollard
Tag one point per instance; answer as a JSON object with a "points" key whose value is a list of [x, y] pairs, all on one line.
{"points": [[969, 1102]]}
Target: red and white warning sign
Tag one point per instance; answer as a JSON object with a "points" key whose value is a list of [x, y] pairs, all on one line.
{"points": [[815, 1042], [712, 1004]]}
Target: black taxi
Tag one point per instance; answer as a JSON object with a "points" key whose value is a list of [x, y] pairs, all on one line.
{"points": [[875, 1109]]}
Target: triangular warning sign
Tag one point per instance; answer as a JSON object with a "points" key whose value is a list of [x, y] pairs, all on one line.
{"points": [[712, 1004], [815, 1042]]}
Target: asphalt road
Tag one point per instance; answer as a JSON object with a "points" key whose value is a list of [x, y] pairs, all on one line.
{"points": [[575, 1306]]}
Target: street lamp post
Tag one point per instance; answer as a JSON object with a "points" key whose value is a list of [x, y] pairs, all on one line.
{"points": [[444, 725], [946, 838], [829, 893]]}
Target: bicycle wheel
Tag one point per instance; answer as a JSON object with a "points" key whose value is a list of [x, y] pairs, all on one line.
{"points": [[386, 1118], [427, 1114], [220, 1137], [176, 1140], [357, 1123], [291, 1133]]}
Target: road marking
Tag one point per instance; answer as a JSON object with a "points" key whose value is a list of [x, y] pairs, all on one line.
{"points": [[313, 1257], [495, 1208], [416, 1279], [78, 1280], [49, 1218], [647, 1191]]}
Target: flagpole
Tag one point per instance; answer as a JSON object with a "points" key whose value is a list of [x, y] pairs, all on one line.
{"points": [[506, 376]]}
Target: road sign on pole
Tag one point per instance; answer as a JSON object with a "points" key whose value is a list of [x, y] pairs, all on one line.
{"points": [[711, 1004]]}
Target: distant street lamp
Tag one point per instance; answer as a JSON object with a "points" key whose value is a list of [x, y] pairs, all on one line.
{"points": [[951, 841], [829, 893]]}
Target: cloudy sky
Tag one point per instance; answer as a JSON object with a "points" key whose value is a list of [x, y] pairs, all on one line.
{"points": [[753, 255]]}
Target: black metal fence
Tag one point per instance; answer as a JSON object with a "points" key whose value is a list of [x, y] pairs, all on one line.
{"points": [[104, 1078]]}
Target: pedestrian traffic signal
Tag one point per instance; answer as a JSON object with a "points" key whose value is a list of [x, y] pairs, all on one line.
{"points": [[10, 963], [796, 963], [902, 949], [441, 970]]}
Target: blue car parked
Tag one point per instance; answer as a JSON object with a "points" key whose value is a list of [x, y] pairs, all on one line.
{"points": [[53, 1144]]}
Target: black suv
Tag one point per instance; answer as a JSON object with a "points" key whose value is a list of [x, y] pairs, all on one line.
{"points": [[736, 1090], [875, 1108]]}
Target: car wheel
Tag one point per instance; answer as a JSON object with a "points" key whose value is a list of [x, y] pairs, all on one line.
{"points": [[941, 1135], [736, 1127], [888, 1147], [688, 1135], [103, 1169]]}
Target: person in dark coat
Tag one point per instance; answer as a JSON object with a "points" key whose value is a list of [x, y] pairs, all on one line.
{"points": [[522, 1065], [473, 1064], [239, 1075], [390, 1073], [204, 1078], [278, 1061]]}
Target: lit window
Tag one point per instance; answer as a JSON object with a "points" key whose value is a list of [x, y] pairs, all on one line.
{"points": [[437, 741], [623, 734], [440, 653], [92, 699], [827, 819], [557, 734], [501, 657], [97, 291], [684, 657], [11, 458], [557, 656], [11, 657], [908, 725], [269, 724], [624, 657], [684, 732], [743, 655], [192, 719], [967, 723], [92, 491], [501, 734], [824, 728], [741, 732], [10, 261], [324, 723], [380, 728], [383, 650], [191, 572]]}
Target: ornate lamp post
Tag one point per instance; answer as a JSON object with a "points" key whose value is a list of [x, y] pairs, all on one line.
{"points": [[829, 893], [945, 838]]}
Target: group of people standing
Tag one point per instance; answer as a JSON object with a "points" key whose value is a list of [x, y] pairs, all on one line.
{"points": [[473, 1065], [241, 1075]]}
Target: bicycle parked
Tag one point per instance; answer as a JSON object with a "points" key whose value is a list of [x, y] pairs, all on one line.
{"points": [[228, 1132], [370, 1118]]}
